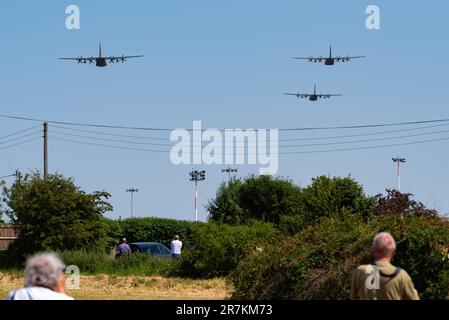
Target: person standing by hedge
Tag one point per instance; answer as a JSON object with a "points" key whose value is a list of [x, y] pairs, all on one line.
{"points": [[382, 281], [123, 249], [176, 247]]}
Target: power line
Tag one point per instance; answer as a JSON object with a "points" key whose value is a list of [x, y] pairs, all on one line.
{"points": [[11, 175], [281, 129], [367, 147], [243, 147], [362, 134], [21, 137], [279, 153], [364, 141], [110, 134], [109, 146], [112, 140], [19, 132], [281, 140], [20, 143]]}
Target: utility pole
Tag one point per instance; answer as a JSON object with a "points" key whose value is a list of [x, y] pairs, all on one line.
{"points": [[399, 160], [18, 176], [196, 176], [132, 190], [229, 170], [45, 150]]}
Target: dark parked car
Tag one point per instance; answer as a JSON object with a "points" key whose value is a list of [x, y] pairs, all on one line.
{"points": [[153, 248]]}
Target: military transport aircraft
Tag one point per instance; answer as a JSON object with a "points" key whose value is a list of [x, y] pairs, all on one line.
{"points": [[314, 96], [329, 61], [101, 61]]}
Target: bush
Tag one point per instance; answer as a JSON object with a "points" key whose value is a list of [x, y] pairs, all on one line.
{"points": [[216, 249], [54, 214], [92, 262], [335, 197], [261, 198], [318, 262], [155, 230]]}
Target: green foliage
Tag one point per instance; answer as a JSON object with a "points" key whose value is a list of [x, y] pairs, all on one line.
{"points": [[318, 262], [155, 230], [283, 203], [261, 198], [216, 249], [55, 214], [397, 203], [335, 197], [93, 262], [113, 231]]}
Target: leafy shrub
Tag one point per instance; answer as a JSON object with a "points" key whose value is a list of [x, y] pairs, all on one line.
{"points": [[318, 262], [397, 203], [261, 198], [335, 197], [155, 230], [216, 249], [54, 214], [92, 262]]}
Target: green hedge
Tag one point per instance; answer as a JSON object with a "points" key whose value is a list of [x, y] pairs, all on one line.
{"points": [[91, 262], [216, 249], [318, 262], [148, 230]]}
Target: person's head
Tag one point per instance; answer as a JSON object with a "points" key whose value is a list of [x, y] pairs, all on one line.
{"points": [[384, 246], [124, 240], [176, 237], [45, 270]]}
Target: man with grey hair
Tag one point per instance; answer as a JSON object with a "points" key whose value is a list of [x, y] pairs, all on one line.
{"points": [[44, 279], [382, 281]]}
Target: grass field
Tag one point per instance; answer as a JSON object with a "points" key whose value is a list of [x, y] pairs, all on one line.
{"points": [[104, 287]]}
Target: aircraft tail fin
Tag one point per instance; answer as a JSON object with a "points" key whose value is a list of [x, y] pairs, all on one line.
{"points": [[100, 49], [330, 52], [314, 89]]}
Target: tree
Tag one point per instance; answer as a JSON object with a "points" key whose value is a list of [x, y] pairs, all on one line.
{"points": [[261, 198], [336, 196], [55, 214], [397, 203]]}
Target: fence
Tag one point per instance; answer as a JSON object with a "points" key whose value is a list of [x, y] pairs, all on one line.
{"points": [[7, 236]]}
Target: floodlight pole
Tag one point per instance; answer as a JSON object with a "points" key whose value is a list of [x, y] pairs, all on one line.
{"points": [[196, 200], [399, 160], [196, 176], [132, 190], [229, 170]]}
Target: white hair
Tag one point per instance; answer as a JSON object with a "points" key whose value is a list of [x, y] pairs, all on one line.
{"points": [[43, 270], [384, 244]]}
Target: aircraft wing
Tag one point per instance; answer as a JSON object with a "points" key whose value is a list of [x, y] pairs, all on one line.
{"points": [[121, 58], [310, 59], [327, 96], [81, 59], [347, 58], [298, 95]]}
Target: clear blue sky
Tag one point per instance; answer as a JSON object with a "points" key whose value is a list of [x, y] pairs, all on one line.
{"points": [[227, 64]]}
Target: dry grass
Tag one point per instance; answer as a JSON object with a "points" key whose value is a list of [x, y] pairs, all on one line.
{"points": [[104, 287]]}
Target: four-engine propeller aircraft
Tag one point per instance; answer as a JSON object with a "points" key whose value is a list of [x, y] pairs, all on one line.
{"points": [[314, 96], [101, 61], [330, 61]]}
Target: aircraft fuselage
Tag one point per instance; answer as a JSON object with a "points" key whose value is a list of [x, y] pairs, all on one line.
{"points": [[101, 62], [329, 62], [313, 98]]}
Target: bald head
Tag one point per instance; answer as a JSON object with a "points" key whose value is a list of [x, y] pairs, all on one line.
{"points": [[384, 246]]}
